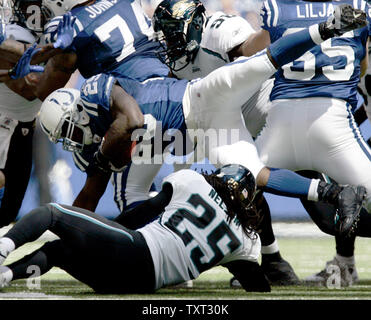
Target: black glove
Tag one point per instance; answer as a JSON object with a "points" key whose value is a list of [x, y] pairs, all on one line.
{"points": [[345, 18], [103, 163]]}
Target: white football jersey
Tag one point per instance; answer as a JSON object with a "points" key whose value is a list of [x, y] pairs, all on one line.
{"points": [[221, 34], [11, 104], [193, 234]]}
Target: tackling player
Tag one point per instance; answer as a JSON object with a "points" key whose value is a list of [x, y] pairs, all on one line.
{"points": [[176, 247], [196, 44]]}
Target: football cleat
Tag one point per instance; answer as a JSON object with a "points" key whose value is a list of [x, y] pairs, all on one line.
{"points": [[346, 273], [345, 18], [348, 201], [280, 273]]}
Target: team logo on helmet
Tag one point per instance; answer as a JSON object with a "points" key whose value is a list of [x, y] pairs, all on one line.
{"points": [[183, 7]]}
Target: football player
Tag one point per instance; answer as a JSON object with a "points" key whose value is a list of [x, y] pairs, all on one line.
{"points": [[108, 109], [196, 44], [312, 102], [114, 37], [111, 36], [196, 211], [18, 105]]}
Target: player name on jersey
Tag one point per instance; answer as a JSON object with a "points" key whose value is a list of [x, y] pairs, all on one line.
{"points": [[307, 10], [100, 7]]}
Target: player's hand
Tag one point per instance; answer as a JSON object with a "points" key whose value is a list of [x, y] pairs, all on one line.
{"points": [[65, 32], [345, 18], [23, 66], [102, 163]]}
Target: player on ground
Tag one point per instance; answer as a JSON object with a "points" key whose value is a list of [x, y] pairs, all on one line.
{"points": [[196, 44], [209, 208], [312, 99], [186, 107]]}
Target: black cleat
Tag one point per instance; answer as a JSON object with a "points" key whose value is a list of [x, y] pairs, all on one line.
{"points": [[280, 273], [350, 201]]}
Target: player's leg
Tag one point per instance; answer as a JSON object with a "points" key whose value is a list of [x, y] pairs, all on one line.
{"points": [[132, 186], [285, 143], [323, 215], [255, 110], [17, 150], [99, 252], [277, 270]]}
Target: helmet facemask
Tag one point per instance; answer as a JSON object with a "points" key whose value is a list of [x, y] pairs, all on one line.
{"points": [[73, 130], [179, 32]]}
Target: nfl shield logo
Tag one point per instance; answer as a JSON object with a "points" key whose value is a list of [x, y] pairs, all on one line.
{"points": [[25, 131]]}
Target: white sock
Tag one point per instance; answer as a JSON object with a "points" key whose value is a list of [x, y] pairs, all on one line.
{"points": [[6, 273], [272, 248], [312, 192], [7, 244], [345, 260]]}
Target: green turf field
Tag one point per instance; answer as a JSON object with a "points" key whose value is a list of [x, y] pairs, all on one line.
{"points": [[307, 255]]}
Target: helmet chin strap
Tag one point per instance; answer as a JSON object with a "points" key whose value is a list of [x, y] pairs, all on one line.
{"points": [[88, 135]]}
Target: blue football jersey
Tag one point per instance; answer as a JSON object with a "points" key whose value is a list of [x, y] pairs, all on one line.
{"points": [[114, 36], [331, 69], [161, 98]]}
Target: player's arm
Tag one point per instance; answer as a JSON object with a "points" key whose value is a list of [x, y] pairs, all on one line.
{"points": [[57, 72], [147, 211], [115, 149], [254, 43], [93, 189], [12, 50], [21, 88], [249, 274], [21, 68]]}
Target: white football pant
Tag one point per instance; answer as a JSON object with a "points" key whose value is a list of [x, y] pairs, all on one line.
{"points": [[213, 105], [316, 134]]}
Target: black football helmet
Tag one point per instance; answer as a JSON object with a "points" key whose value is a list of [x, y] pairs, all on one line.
{"points": [[178, 25], [31, 14], [240, 183]]}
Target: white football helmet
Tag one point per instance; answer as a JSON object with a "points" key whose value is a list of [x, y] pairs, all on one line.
{"points": [[63, 118], [60, 7]]}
